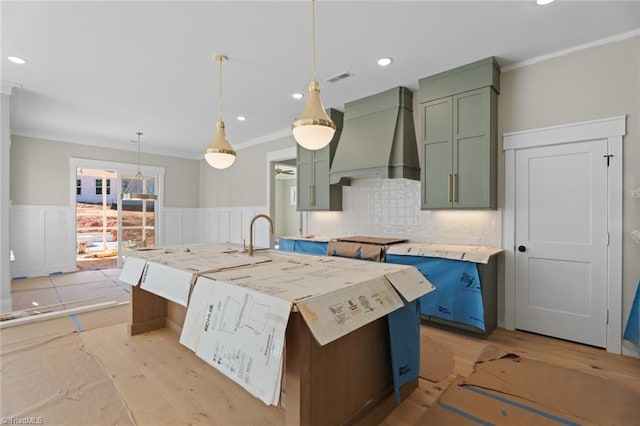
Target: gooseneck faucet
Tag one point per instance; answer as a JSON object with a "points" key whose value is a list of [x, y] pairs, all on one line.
{"points": [[251, 229]]}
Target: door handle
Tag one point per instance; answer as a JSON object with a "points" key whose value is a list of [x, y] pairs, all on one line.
{"points": [[455, 187], [522, 249], [312, 195]]}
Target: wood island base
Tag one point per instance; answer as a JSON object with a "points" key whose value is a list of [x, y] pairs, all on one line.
{"points": [[347, 381]]}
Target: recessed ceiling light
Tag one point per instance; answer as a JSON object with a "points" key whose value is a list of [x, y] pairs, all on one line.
{"points": [[383, 62], [297, 96], [17, 60], [241, 118], [543, 2]]}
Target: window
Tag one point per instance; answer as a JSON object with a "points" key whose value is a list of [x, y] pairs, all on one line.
{"points": [[99, 186], [78, 187]]}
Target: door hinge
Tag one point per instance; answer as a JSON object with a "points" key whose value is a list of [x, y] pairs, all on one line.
{"points": [[608, 239], [608, 157]]}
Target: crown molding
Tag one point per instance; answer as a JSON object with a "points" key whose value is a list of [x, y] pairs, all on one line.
{"points": [[8, 86], [596, 43]]}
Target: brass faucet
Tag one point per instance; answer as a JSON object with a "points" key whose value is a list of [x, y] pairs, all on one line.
{"points": [[251, 230]]}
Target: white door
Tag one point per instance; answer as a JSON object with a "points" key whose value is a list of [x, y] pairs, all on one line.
{"points": [[561, 240]]}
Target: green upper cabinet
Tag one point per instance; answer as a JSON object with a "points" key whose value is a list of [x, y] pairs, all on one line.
{"points": [[314, 191], [459, 137]]}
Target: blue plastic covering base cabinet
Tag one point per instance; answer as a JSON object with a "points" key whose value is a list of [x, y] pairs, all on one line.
{"points": [[458, 294], [302, 246]]}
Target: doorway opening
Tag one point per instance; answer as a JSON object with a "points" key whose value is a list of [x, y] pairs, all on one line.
{"points": [[282, 193], [107, 226], [611, 131], [96, 219], [137, 218], [287, 218]]}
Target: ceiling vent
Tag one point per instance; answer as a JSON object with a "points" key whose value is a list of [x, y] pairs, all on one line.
{"points": [[338, 77]]}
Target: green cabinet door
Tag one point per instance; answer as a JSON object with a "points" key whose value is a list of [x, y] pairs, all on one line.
{"points": [[474, 150], [312, 177], [305, 179], [459, 151], [460, 137], [436, 152]]}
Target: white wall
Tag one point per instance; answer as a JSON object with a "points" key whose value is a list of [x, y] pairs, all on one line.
{"points": [[231, 224], [42, 239], [5, 143], [40, 171], [244, 183], [42, 231]]}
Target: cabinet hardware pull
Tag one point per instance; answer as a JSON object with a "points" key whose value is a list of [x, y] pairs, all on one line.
{"points": [[455, 187], [312, 195], [449, 187]]}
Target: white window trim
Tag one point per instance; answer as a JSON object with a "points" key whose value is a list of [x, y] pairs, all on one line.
{"points": [[121, 169]]}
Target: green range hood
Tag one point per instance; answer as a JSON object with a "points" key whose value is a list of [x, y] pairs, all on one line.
{"points": [[378, 139]]}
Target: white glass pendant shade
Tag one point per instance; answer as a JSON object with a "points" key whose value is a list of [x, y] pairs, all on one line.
{"points": [[313, 129], [219, 153]]}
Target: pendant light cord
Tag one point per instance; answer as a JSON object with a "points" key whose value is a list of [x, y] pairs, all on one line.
{"points": [[313, 36], [139, 134], [220, 59]]}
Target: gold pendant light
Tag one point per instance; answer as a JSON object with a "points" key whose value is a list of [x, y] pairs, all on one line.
{"points": [[219, 153], [137, 188], [313, 129]]}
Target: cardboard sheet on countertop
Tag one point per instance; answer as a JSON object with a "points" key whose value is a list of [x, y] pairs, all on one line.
{"points": [[309, 237], [355, 250], [476, 254], [334, 295], [170, 271], [372, 240], [239, 332]]}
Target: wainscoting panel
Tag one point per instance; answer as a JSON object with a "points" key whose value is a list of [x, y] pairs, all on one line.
{"points": [[224, 229], [42, 240], [261, 230], [43, 237], [220, 224], [172, 227], [209, 228], [235, 227], [181, 226]]}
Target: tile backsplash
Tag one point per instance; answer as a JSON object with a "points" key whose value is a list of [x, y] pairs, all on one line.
{"points": [[391, 208]]}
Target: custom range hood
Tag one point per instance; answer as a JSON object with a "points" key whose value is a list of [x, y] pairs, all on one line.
{"points": [[378, 139]]}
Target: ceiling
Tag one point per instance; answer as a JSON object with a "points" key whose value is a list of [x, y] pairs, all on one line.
{"points": [[98, 72]]}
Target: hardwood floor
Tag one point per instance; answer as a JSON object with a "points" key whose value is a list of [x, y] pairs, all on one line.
{"points": [[64, 291], [33, 345], [465, 351]]}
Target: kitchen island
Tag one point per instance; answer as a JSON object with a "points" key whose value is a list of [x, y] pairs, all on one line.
{"points": [[347, 379]]}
